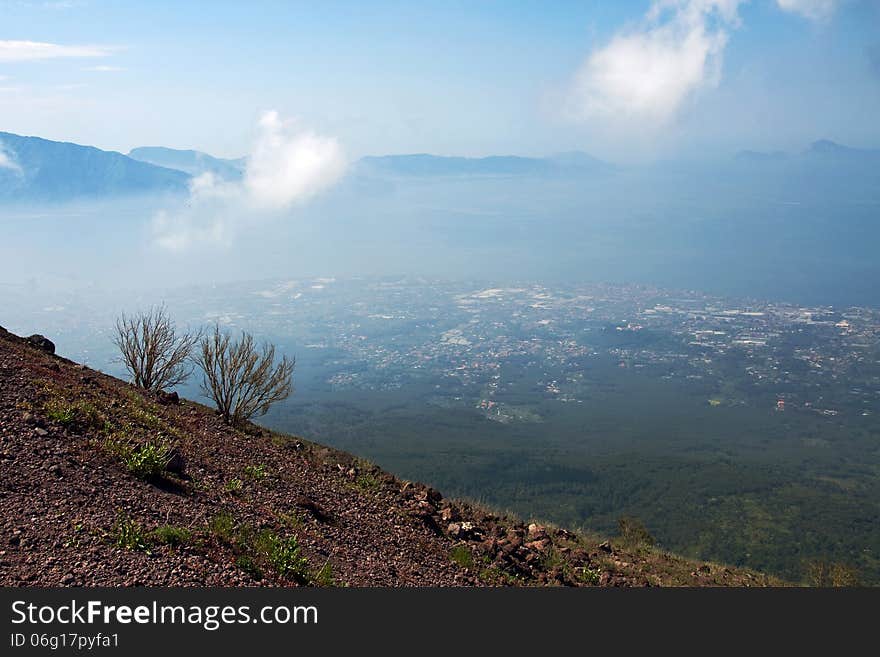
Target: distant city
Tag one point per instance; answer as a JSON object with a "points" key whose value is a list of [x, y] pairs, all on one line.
{"points": [[384, 334]]}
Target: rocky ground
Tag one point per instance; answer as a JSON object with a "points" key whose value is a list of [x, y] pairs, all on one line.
{"points": [[250, 507]]}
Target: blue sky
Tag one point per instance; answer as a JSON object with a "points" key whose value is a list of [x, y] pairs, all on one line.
{"points": [[625, 80]]}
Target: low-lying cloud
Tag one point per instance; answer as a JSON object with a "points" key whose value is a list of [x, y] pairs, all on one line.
{"points": [[288, 166], [7, 161], [26, 51]]}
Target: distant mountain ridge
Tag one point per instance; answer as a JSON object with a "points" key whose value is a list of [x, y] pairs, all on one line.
{"points": [[193, 162], [36, 169], [823, 149], [761, 156], [33, 169], [425, 164]]}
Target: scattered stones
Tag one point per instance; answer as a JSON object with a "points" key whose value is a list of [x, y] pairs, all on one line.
{"points": [[537, 532], [318, 512], [42, 343], [176, 462], [167, 398], [541, 545], [465, 531], [430, 495], [449, 514]]}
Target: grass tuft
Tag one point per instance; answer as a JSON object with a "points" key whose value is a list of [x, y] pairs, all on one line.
{"points": [[171, 536], [283, 555], [234, 486], [256, 472], [129, 535], [324, 577], [222, 526], [462, 556]]}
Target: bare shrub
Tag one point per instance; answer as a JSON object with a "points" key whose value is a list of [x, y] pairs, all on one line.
{"points": [[154, 354], [633, 532], [822, 573], [242, 380]]}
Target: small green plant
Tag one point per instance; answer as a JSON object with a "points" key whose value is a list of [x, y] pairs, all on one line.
{"points": [[128, 534], [79, 415], [283, 554], [291, 520], [256, 472], [324, 576], [171, 536], [462, 555], [222, 526], [495, 576], [148, 461], [143, 415], [145, 418], [63, 415], [588, 576], [78, 529], [634, 533], [234, 486], [368, 481], [554, 560], [248, 565]]}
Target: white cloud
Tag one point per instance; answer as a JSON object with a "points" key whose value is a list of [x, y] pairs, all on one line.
{"points": [[7, 160], [816, 10], [646, 73], [27, 51], [288, 165], [104, 69]]}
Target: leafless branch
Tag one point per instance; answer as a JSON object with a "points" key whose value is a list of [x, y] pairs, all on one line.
{"points": [[242, 380], [155, 356]]}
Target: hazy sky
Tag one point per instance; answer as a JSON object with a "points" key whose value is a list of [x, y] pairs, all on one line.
{"points": [[621, 79]]}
